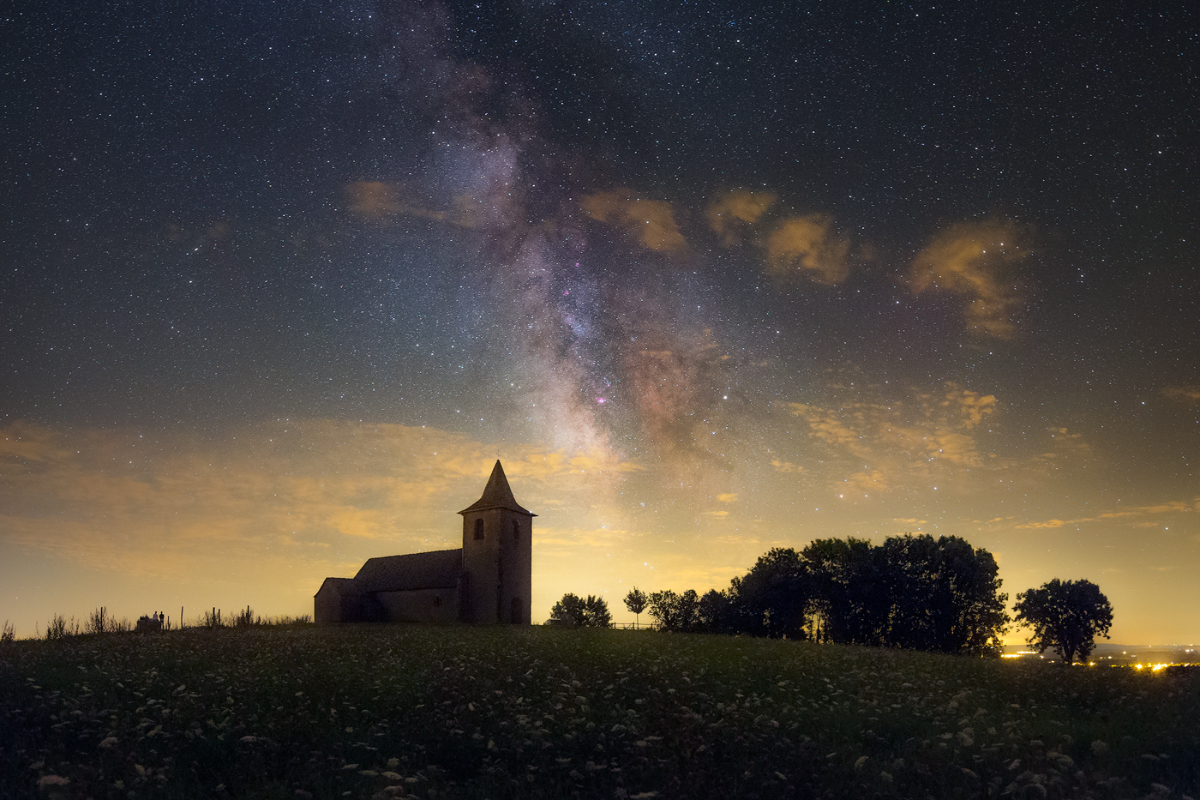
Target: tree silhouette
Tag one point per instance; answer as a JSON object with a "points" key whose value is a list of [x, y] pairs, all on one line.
{"points": [[664, 608], [850, 601], [576, 612], [718, 612], [689, 610], [675, 612], [636, 602], [945, 596], [1065, 615], [774, 595]]}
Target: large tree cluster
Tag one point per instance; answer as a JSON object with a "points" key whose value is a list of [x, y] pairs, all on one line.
{"points": [[912, 592]]}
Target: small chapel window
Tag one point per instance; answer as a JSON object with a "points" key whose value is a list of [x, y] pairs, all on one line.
{"points": [[437, 601], [478, 529]]}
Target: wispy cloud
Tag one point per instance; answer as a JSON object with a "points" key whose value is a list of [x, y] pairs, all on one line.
{"points": [[297, 490], [1187, 395], [978, 262], [886, 445], [808, 247], [731, 215], [381, 201], [1135, 516], [651, 222]]}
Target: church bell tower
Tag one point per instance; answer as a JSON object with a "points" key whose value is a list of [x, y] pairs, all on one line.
{"points": [[497, 556]]}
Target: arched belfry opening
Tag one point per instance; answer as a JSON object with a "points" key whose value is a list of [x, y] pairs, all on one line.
{"points": [[497, 555]]}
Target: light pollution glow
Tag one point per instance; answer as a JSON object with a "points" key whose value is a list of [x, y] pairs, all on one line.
{"points": [[263, 515]]}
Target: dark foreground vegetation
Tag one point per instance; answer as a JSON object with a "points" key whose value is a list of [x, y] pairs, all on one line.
{"points": [[405, 711]]}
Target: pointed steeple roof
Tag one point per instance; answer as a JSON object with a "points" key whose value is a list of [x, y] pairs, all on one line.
{"points": [[497, 494]]}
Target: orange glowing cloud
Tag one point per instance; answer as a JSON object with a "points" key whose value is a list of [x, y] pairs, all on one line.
{"points": [[1188, 395], [651, 222], [263, 514], [885, 445], [974, 409], [380, 201], [289, 491], [978, 262], [732, 213], [1133, 516], [808, 246]]}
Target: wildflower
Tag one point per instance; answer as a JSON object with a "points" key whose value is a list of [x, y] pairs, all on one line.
{"points": [[859, 763]]}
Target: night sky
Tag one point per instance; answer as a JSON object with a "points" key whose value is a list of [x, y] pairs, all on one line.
{"points": [[281, 281]]}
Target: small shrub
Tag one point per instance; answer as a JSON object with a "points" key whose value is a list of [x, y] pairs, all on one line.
{"points": [[211, 619], [56, 628], [246, 619], [98, 622], [578, 612], [7, 633]]}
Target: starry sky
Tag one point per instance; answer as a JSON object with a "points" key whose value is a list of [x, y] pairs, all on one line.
{"points": [[279, 283]]}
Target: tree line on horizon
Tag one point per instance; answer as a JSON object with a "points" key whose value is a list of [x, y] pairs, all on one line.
{"points": [[911, 592]]}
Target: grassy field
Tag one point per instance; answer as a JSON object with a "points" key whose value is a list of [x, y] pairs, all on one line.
{"points": [[404, 711]]}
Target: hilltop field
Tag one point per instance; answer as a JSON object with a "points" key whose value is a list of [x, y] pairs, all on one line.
{"points": [[407, 711]]}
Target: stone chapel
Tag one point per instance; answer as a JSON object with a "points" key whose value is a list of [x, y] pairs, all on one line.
{"points": [[486, 582]]}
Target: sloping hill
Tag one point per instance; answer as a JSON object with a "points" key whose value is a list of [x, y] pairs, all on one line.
{"points": [[459, 712]]}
